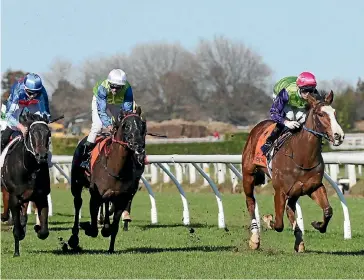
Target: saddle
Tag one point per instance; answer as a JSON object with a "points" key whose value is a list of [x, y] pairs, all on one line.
{"points": [[259, 158], [100, 145]]}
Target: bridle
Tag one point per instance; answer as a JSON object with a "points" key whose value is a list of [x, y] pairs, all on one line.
{"points": [[120, 142], [315, 132], [31, 148]]}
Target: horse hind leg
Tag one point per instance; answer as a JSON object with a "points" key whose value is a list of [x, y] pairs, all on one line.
{"points": [[299, 245], [5, 214], [320, 197], [248, 186], [95, 203], [106, 229]]}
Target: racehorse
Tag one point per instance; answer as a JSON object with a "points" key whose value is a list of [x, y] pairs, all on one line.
{"points": [[117, 163], [296, 168], [25, 176]]}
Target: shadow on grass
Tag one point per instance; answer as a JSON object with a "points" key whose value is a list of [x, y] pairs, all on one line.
{"points": [[197, 225], [138, 250], [338, 253]]}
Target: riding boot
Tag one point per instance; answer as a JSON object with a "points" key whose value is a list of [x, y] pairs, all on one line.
{"points": [[271, 138], [87, 153], [5, 137]]}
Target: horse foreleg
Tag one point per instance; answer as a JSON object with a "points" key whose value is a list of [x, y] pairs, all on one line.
{"points": [[5, 214], [42, 207], [320, 197], [125, 216], [115, 227], [299, 245], [18, 231], [279, 203], [248, 186]]}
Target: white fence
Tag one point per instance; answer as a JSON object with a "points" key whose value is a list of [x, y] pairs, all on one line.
{"points": [[222, 163]]}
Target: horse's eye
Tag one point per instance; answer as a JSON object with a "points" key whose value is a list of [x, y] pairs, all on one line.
{"points": [[320, 114]]}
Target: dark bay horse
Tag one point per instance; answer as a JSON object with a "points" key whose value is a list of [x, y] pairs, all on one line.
{"points": [[25, 177], [297, 169], [117, 164]]}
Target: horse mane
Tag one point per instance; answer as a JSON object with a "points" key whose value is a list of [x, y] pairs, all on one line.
{"points": [[28, 118]]}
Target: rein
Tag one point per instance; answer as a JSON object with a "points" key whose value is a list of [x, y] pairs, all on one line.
{"points": [[316, 133]]}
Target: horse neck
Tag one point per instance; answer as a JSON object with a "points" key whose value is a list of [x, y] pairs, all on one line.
{"points": [[310, 142], [118, 154], [27, 159]]}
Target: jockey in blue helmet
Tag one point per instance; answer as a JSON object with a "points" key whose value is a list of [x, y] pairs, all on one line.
{"points": [[29, 93]]}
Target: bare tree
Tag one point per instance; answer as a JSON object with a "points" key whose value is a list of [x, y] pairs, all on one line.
{"points": [[161, 74], [97, 69], [60, 70], [230, 74]]}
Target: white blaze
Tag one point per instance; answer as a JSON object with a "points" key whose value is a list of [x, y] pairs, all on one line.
{"points": [[335, 127]]}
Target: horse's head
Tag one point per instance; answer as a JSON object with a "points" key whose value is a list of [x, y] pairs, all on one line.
{"points": [[131, 129], [37, 139], [324, 118]]}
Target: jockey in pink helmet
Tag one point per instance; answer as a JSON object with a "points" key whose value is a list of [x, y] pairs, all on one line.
{"points": [[289, 104]]}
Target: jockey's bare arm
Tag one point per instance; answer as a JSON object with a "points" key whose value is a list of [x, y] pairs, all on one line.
{"points": [[101, 106], [276, 111]]}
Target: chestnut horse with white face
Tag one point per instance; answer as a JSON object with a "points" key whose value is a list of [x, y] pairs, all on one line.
{"points": [[297, 169]]}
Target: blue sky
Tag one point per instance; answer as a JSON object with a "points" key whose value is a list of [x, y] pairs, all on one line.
{"points": [[322, 36]]}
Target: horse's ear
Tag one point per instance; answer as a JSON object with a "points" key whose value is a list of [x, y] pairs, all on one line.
{"points": [[329, 97], [45, 118], [139, 110]]}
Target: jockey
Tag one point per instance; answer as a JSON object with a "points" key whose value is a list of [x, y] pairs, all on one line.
{"points": [[289, 104], [27, 93], [114, 91]]}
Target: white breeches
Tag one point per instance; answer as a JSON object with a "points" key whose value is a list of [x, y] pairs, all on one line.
{"points": [[295, 114], [96, 126]]}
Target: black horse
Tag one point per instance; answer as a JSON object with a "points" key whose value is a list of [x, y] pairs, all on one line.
{"points": [[25, 176], [114, 177]]}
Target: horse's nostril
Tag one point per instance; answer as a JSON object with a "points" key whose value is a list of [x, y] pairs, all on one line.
{"points": [[337, 136]]}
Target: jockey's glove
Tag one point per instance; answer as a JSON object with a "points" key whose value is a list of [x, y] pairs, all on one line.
{"points": [[291, 124]]}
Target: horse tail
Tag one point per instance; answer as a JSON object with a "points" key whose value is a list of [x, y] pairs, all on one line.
{"points": [[259, 177]]}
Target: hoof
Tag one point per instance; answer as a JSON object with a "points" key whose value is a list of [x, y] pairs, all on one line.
{"points": [[254, 242], [36, 228], [318, 226], [111, 251], [267, 219], [300, 248], [106, 231], [17, 254], [125, 217], [4, 218], [43, 235], [73, 241], [126, 226], [89, 231]]}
